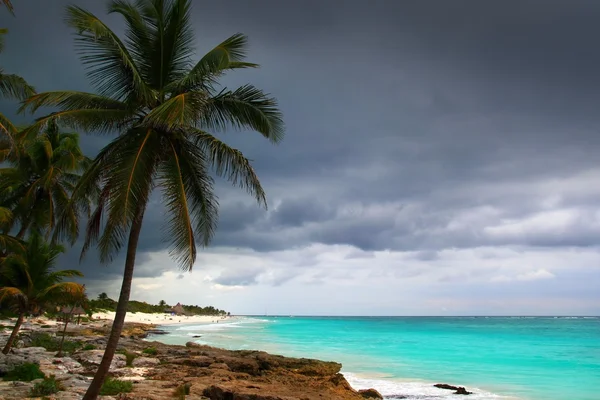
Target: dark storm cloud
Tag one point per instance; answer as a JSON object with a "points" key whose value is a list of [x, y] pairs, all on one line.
{"points": [[425, 111]]}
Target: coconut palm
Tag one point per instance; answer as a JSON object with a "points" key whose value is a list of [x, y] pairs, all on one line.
{"points": [[166, 111], [11, 87], [28, 282], [43, 173]]}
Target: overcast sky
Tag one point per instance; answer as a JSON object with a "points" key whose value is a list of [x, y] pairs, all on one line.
{"points": [[441, 158]]}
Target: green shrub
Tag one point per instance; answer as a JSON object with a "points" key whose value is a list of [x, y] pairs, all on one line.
{"points": [[24, 372], [112, 387], [46, 326], [129, 357], [89, 346], [151, 351], [181, 391], [46, 387], [50, 343]]}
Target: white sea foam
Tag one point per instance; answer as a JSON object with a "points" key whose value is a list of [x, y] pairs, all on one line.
{"points": [[398, 389]]}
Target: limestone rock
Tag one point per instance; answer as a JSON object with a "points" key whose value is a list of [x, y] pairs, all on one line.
{"points": [[94, 357], [145, 362]]}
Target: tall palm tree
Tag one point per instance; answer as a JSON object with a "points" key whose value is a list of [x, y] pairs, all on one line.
{"points": [[11, 87], [29, 284], [43, 173], [163, 107]]}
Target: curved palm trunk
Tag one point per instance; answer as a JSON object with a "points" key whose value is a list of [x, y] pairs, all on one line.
{"points": [[14, 333], [117, 327]]}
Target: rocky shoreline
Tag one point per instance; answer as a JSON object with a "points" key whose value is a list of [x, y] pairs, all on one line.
{"points": [[158, 370]]}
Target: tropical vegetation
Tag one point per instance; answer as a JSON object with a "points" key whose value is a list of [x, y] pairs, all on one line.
{"points": [[105, 303], [29, 283], [166, 112]]}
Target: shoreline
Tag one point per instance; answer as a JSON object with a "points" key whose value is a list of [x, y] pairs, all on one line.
{"points": [[146, 331], [389, 386], [157, 369]]}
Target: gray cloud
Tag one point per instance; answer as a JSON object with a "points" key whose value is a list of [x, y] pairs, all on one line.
{"points": [[412, 127]]}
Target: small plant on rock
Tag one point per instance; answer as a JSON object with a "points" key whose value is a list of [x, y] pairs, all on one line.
{"points": [[181, 391], [150, 351], [46, 387], [113, 387], [88, 346], [24, 373]]}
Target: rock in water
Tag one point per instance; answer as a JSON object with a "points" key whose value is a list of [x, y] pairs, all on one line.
{"points": [[458, 389], [370, 394]]}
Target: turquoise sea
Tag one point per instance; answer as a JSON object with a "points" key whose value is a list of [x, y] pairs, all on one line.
{"points": [[526, 358]]}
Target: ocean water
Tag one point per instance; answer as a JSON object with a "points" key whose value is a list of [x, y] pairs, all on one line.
{"points": [[525, 358]]}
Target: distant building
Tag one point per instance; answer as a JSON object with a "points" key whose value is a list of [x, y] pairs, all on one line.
{"points": [[176, 309]]}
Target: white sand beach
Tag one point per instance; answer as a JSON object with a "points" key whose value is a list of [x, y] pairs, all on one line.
{"points": [[159, 319]]}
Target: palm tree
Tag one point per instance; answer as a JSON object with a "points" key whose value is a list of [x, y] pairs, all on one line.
{"points": [[44, 171], [29, 284], [164, 107], [75, 300], [11, 87]]}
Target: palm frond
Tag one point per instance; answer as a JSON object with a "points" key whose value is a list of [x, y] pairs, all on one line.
{"points": [[7, 129], [181, 230], [90, 120], [181, 110], [175, 43], [227, 55], [126, 167], [111, 67], [9, 6], [202, 203], [230, 163], [10, 293], [14, 87], [71, 100], [245, 108]]}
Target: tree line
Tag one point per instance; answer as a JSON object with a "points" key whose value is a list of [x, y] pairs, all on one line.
{"points": [[105, 303], [164, 110]]}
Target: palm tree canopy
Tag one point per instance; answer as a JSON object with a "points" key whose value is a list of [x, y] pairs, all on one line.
{"points": [[167, 110], [8, 243], [28, 279], [43, 173], [11, 87]]}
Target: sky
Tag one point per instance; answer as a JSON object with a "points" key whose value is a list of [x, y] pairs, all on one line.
{"points": [[440, 158]]}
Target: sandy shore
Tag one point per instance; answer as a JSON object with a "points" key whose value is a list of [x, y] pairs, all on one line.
{"points": [[159, 319]]}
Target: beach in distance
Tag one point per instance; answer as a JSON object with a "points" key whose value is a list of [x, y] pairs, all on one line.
{"points": [[162, 319]]}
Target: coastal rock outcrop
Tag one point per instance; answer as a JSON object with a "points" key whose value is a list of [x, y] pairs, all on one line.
{"points": [[93, 357], [370, 394], [207, 372], [458, 389]]}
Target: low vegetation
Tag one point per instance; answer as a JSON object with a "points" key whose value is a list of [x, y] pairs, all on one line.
{"points": [[129, 357], [24, 373], [46, 387], [113, 387], [181, 391], [51, 343], [150, 351]]}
